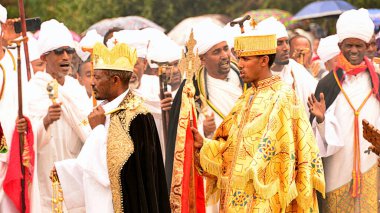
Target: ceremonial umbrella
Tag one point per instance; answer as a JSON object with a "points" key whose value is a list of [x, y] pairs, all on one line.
{"points": [[375, 16], [126, 23], [281, 15], [324, 8], [182, 30]]}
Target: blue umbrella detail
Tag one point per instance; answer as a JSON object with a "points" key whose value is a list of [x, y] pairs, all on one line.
{"points": [[323, 8]]}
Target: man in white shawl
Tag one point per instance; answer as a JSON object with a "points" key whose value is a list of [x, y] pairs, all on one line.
{"points": [[349, 94], [289, 70], [57, 116]]}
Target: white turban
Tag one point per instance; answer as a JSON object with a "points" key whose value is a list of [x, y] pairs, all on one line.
{"points": [[133, 38], [355, 24], [232, 32], [208, 34], [88, 41], [34, 53], [3, 15], [328, 48], [161, 47], [54, 35], [272, 26]]}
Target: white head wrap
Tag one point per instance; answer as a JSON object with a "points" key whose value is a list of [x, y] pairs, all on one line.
{"points": [[272, 26], [54, 35], [88, 41], [134, 38], [208, 34], [328, 48], [34, 53], [232, 32], [161, 47], [3, 14], [355, 24]]}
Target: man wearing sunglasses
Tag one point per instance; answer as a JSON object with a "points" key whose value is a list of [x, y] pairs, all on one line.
{"points": [[58, 106]]}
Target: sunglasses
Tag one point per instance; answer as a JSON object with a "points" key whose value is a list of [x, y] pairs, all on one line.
{"points": [[68, 50]]}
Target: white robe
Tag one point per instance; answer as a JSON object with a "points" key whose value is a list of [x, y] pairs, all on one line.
{"points": [[223, 94], [8, 115], [335, 134], [64, 138], [305, 83], [85, 183]]}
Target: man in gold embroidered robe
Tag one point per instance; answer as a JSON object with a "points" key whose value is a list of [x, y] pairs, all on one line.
{"points": [[120, 167], [263, 157]]}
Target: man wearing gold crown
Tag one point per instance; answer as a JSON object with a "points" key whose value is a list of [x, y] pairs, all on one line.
{"points": [[56, 115], [120, 167], [263, 157]]}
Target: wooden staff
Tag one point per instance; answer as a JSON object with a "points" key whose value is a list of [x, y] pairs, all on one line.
{"points": [[23, 28], [240, 22], [162, 68], [20, 115]]}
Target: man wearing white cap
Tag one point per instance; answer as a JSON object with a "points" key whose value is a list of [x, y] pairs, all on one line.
{"points": [[347, 95], [328, 50], [289, 70], [217, 82], [58, 115]]}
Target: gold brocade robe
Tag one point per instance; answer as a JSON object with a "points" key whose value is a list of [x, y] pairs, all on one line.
{"points": [[264, 156]]}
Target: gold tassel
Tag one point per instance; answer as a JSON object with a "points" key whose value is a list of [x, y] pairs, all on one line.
{"points": [[3, 145], [57, 197]]}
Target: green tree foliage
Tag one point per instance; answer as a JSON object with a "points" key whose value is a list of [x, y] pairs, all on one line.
{"points": [[78, 15]]}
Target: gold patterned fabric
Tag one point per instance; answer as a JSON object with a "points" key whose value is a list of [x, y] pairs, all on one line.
{"points": [[120, 145], [341, 200], [264, 157]]}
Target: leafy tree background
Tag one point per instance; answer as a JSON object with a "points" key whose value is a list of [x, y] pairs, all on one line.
{"points": [[78, 15]]}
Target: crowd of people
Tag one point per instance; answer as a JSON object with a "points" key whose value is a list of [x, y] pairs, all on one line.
{"points": [[279, 118]]}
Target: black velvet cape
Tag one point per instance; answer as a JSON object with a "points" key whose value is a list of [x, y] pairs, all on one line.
{"points": [[143, 175]]}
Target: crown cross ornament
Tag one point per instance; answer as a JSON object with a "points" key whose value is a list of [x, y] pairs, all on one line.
{"points": [[190, 62]]}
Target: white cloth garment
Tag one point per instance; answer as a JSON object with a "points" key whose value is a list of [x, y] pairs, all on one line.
{"points": [[81, 177], [53, 35], [272, 26], [134, 38], [3, 14], [8, 115], [88, 41], [355, 24], [229, 89], [305, 84], [335, 134], [64, 138], [328, 48], [207, 34]]}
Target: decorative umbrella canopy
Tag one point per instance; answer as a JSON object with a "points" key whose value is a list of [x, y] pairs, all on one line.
{"points": [[375, 16], [126, 23], [281, 15], [324, 8], [182, 30]]}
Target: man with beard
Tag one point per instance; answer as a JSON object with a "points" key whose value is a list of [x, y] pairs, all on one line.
{"points": [[371, 52], [126, 172], [218, 86], [346, 96], [56, 115], [289, 70]]}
